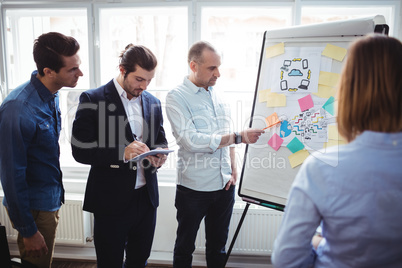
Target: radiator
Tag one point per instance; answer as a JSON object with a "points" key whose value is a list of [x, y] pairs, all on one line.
{"points": [[257, 233], [74, 224]]}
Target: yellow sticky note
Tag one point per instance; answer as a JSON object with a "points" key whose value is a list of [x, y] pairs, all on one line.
{"points": [[331, 143], [325, 91], [298, 158], [334, 52], [263, 95], [275, 50], [333, 133], [328, 79], [276, 100]]}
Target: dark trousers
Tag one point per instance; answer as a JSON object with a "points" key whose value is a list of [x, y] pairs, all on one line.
{"points": [[132, 233], [192, 206]]}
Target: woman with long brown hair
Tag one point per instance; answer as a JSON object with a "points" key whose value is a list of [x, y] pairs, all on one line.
{"points": [[357, 199]]}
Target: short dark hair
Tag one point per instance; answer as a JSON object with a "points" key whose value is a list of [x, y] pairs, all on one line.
{"points": [[195, 52], [49, 49], [370, 88], [134, 55]]}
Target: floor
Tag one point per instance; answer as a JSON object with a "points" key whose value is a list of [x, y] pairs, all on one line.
{"points": [[72, 257], [73, 264], [92, 264]]}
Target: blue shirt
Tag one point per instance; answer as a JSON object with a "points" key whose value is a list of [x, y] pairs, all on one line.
{"points": [[355, 193], [29, 156], [199, 118]]}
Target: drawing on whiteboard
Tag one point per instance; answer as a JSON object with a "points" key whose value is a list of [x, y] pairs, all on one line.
{"points": [[308, 126], [297, 65], [295, 71]]}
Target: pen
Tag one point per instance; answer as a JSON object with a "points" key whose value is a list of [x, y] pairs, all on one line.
{"points": [[274, 124], [136, 139]]}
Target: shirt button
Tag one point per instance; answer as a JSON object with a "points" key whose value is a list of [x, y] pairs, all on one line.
{"points": [[134, 168]]}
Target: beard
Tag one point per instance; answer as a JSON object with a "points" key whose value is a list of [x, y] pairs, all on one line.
{"points": [[133, 92]]}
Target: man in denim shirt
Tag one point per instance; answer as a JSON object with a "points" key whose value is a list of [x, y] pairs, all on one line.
{"points": [[30, 126], [206, 166]]}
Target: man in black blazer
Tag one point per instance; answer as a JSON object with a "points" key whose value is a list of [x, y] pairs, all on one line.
{"points": [[113, 124]]}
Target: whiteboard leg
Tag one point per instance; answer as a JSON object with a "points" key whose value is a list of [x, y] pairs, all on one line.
{"points": [[236, 233]]}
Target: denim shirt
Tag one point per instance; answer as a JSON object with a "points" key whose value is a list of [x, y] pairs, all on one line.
{"points": [[30, 172], [199, 118]]}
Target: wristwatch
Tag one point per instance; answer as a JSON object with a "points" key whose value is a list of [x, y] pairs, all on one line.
{"points": [[237, 138]]}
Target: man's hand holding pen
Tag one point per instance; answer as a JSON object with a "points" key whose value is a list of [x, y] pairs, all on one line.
{"points": [[134, 149]]}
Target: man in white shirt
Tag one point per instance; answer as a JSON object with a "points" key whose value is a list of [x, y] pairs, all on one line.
{"points": [[206, 167]]}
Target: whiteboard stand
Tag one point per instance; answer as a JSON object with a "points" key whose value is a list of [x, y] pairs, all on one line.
{"points": [[236, 232], [243, 216]]}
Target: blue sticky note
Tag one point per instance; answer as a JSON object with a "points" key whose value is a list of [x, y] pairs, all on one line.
{"points": [[295, 145], [329, 106]]}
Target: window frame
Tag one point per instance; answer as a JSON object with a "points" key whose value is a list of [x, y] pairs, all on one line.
{"points": [[38, 7], [395, 26], [97, 23]]}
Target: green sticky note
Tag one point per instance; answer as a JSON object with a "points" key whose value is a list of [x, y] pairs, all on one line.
{"points": [[329, 106], [295, 145]]}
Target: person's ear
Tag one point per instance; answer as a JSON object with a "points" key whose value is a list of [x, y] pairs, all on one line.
{"points": [[48, 72], [193, 66], [122, 70]]}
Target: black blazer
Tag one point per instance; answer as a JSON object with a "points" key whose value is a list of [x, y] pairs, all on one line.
{"points": [[100, 133]]}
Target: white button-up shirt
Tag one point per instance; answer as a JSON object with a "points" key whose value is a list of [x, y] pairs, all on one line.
{"points": [[133, 109], [199, 118]]}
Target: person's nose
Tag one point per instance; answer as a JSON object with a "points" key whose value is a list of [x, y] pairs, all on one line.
{"points": [[80, 73], [144, 84], [217, 73]]}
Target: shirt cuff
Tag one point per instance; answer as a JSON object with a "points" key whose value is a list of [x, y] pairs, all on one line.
{"points": [[27, 231], [124, 160], [215, 142]]}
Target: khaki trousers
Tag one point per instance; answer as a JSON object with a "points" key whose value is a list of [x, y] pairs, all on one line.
{"points": [[47, 222]]}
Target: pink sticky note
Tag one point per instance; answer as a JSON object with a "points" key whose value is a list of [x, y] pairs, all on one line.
{"points": [[306, 103], [275, 142]]}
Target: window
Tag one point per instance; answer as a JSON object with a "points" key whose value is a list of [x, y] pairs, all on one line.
{"points": [[237, 32], [318, 14], [161, 29], [25, 25]]}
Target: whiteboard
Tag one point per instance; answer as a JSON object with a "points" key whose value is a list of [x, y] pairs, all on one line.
{"points": [[298, 75]]}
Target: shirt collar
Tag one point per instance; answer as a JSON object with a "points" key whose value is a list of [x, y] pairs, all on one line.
{"points": [[380, 139], [193, 87], [43, 91]]}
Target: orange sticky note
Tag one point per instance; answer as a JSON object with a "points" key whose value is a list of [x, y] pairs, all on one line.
{"points": [[272, 120]]}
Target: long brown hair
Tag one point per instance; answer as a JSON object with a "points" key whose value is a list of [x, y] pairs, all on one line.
{"points": [[370, 88]]}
